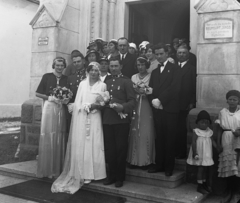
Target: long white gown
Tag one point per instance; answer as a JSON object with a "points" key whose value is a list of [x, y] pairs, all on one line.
{"points": [[85, 149]]}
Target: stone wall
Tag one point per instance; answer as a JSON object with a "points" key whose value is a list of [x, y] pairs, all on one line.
{"points": [[30, 125]]}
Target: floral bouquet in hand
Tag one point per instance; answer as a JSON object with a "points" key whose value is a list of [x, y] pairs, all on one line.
{"points": [[141, 88], [101, 100], [62, 93]]}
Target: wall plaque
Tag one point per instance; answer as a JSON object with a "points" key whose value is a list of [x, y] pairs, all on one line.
{"points": [[42, 41], [218, 28]]}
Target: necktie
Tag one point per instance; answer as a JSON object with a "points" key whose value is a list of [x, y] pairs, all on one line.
{"points": [[180, 65], [122, 56]]}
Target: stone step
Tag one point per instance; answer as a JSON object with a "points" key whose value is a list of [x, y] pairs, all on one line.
{"points": [[180, 164], [134, 192], [155, 179]]}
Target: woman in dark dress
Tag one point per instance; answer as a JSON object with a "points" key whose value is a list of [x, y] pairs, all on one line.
{"points": [[53, 126]]}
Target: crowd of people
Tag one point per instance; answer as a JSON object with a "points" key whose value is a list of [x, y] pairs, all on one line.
{"points": [[149, 91]]}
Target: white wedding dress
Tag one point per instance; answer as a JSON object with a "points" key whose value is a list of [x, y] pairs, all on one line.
{"points": [[85, 149]]}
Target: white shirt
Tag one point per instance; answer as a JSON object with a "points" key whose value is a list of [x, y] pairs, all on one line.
{"points": [[162, 67], [102, 78], [123, 56], [181, 64]]}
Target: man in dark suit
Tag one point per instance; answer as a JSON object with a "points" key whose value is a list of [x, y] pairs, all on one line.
{"points": [[128, 60], [115, 126], [165, 101], [192, 57], [187, 98], [74, 79]]}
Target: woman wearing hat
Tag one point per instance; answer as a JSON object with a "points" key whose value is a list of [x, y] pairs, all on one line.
{"points": [[96, 45], [85, 159], [112, 47], [91, 56], [132, 48]]}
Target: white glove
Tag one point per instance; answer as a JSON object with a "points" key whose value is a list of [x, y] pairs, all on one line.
{"points": [[53, 99], [156, 103], [70, 107]]}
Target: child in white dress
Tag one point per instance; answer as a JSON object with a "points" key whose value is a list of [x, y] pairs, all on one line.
{"points": [[200, 153], [229, 143]]}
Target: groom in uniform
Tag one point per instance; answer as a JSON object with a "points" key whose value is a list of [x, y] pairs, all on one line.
{"points": [[115, 127]]}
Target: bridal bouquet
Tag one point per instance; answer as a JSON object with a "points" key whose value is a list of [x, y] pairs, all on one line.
{"points": [[62, 93], [141, 85], [101, 100]]}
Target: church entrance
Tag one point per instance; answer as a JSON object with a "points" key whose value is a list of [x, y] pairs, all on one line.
{"points": [[158, 20]]}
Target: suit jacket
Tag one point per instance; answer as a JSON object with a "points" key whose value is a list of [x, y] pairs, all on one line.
{"points": [[188, 86], [166, 87], [192, 59], [128, 64], [121, 91]]}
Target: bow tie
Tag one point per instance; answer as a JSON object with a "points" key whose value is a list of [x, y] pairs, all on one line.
{"points": [[160, 64]]}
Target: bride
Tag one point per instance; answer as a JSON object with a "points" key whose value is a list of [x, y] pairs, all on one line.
{"points": [[84, 160]]}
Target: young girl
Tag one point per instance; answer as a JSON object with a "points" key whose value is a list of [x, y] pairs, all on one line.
{"points": [[229, 143], [200, 153]]}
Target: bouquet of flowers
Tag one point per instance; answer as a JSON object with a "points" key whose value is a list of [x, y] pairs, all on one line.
{"points": [[62, 93], [101, 100], [141, 85]]}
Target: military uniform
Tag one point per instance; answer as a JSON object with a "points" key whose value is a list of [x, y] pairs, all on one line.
{"points": [[74, 80], [116, 130], [73, 83]]}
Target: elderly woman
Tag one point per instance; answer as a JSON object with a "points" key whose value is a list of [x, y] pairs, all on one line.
{"points": [[53, 126], [85, 159]]}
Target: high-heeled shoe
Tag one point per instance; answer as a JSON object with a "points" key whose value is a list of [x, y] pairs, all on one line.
{"points": [[87, 181]]}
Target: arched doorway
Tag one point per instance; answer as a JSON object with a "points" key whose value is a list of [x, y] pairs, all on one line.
{"points": [[159, 21]]}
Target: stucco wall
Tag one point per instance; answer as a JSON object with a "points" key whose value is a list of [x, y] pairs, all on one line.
{"points": [[15, 54]]}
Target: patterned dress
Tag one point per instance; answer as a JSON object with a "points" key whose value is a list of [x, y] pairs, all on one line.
{"points": [[227, 159]]}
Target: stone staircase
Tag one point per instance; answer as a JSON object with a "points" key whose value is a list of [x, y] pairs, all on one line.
{"points": [[139, 187]]}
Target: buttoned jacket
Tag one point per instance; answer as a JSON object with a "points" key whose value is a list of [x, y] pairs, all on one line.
{"points": [[121, 91]]}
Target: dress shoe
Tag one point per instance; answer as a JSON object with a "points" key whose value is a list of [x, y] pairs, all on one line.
{"points": [[109, 181], [155, 170], [206, 187], [201, 189], [168, 173], [119, 184], [132, 166]]}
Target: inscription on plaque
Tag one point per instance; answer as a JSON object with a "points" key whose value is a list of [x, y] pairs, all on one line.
{"points": [[42, 41], [222, 28]]}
